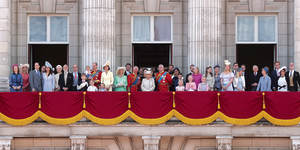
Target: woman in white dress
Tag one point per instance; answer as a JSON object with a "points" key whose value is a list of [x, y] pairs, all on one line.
{"points": [[48, 79], [148, 83], [282, 84], [227, 77], [107, 77]]}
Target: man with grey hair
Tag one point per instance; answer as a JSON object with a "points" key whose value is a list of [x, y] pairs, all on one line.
{"points": [[293, 78], [65, 79], [254, 79], [76, 78]]}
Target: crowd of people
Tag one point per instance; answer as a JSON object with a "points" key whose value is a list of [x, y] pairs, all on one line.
{"points": [[132, 79]]}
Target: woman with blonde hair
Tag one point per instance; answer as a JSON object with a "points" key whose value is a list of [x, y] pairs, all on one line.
{"points": [[120, 81], [239, 81], [25, 76], [197, 77], [227, 77], [58, 73], [107, 77]]}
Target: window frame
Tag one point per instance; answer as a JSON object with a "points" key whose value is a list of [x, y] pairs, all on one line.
{"points": [[48, 32], [256, 26], [152, 33]]}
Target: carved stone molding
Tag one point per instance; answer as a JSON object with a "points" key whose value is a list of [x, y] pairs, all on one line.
{"points": [[152, 5], [295, 142], [78, 142], [151, 142], [224, 142]]}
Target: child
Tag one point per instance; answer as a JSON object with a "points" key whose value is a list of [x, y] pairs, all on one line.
{"points": [[102, 87], [190, 85], [203, 86], [180, 86], [88, 71], [239, 81], [92, 87], [84, 84]]}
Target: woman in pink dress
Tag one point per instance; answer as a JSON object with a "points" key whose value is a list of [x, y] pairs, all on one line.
{"points": [[25, 77], [197, 76]]}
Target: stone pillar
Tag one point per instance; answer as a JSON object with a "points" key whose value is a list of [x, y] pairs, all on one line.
{"points": [[295, 142], [151, 142], [5, 142], [97, 32], [204, 34], [297, 34], [224, 142], [5, 43], [78, 142]]}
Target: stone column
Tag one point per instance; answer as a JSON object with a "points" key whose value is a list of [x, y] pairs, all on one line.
{"points": [[5, 43], [151, 142], [224, 142], [78, 142], [295, 142], [5, 142], [297, 34], [204, 35], [97, 32]]}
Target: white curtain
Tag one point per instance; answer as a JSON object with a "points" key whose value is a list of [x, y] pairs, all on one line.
{"points": [[141, 28], [59, 29], [245, 29], [266, 28], [38, 29], [162, 28]]}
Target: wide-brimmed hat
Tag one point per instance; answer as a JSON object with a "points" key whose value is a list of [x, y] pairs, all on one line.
{"points": [[107, 64], [121, 68], [227, 62], [24, 65], [282, 68], [47, 64]]}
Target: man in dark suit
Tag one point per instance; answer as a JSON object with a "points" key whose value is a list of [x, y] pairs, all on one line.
{"points": [[65, 79], [76, 78], [128, 69], [275, 74], [253, 79], [36, 79], [292, 78]]}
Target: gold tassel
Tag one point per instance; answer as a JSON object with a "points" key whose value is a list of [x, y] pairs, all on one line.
{"points": [[129, 105], [264, 104], [84, 106], [219, 105], [174, 105], [40, 98]]}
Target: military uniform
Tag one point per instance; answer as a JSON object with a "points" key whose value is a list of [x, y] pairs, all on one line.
{"points": [[163, 81], [134, 82]]}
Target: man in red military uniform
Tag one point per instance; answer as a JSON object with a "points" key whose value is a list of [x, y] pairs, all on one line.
{"points": [[96, 75], [133, 80], [163, 79]]}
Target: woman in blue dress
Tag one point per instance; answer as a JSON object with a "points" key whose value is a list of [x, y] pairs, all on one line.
{"points": [[15, 80], [48, 79]]}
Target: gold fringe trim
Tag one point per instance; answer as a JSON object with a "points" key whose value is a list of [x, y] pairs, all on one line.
{"points": [[58, 121], [236, 121], [19, 122], [154, 121], [219, 105], [102, 121], [40, 100], [264, 100], [84, 105], [174, 104], [129, 104], [190, 121], [281, 122]]}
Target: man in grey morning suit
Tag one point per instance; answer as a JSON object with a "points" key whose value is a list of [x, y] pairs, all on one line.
{"points": [[36, 79]]}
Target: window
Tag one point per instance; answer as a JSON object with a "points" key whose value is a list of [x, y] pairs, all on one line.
{"points": [[256, 29], [152, 29], [48, 29]]}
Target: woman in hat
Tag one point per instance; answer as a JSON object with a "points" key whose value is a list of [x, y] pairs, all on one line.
{"points": [[264, 83], [120, 81], [58, 73], [107, 77], [282, 81], [48, 78], [15, 80], [25, 77], [148, 83], [227, 77]]}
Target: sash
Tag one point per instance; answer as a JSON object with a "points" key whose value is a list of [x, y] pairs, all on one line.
{"points": [[135, 82], [95, 73], [161, 77]]}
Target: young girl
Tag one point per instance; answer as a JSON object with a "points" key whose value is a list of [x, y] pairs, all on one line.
{"points": [[92, 87], [190, 85], [102, 87], [239, 81], [203, 86], [180, 86], [84, 84]]}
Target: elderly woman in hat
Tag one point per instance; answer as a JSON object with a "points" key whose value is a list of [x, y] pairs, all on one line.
{"points": [[282, 81], [107, 77], [227, 77], [264, 83], [15, 80], [48, 78], [148, 83], [25, 76], [120, 81]]}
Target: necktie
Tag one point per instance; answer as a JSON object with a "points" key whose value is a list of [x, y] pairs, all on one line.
{"points": [[75, 75]]}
